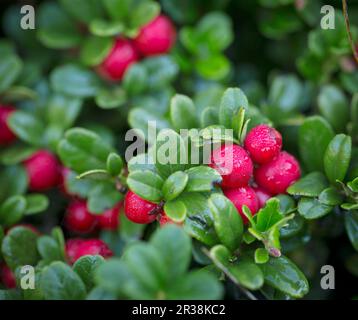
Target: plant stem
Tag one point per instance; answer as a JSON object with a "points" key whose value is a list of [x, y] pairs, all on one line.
{"points": [[350, 39]]}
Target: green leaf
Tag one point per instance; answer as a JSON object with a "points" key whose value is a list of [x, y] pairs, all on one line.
{"points": [[215, 67], [10, 68], [95, 49], [49, 249], [114, 164], [269, 215], [63, 110], [247, 274], [294, 226], [142, 13], [104, 28], [55, 28], [36, 203], [175, 210], [331, 197], [227, 221], [261, 256], [135, 79], [337, 157], [182, 112], [209, 116], [333, 105], [310, 185], [174, 246], [16, 154], [174, 185], [215, 31], [60, 282], [19, 247], [310, 208], [146, 184], [202, 179], [351, 223], [149, 273], [314, 134], [161, 71], [86, 267], [283, 275], [27, 127], [231, 102], [10, 186], [170, 153], [103, 196], [83, 150], [111, 98], [199, 222], [12, 210], [195, 285], [75, 81], [83, 10]]}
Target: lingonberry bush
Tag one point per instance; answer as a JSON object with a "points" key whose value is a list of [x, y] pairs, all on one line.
{"points": [[253, 106]]}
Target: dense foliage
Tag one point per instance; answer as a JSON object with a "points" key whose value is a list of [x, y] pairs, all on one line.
{"points": [[95, 226]]}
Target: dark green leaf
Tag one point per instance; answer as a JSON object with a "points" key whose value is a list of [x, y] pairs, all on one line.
{"points": [[74, 80], [49, 249], [331, 197], [36, 203], [10, 68], [83, 10], [83, 150], [60, 282], [314, 134], [12, 210], [146, 184], [202, 179], [227, 221], [174, 185], [337, 157], [351, 223], [86, 267], [182, 112], [19, 247], [283, 275], [311, 208], [232, 100], [310, 185], [111, 98], [103, 196], [95, 49]]}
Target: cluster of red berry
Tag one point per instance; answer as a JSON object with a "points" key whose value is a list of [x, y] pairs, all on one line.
{"points": [[157, 37], [251, 175]]}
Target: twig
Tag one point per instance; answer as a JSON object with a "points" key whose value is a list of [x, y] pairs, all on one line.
{"points": [[350, 39]]}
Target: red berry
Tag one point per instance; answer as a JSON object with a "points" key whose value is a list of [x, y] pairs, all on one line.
{"points": [[164, 220], [243, 196], [277, 175], [139, 210], [262, 196], [122, 55], [6, 135], [157, 37], [77, 248], [7, 277], [109, 220], [263, 143], [42, 170], [72, 246], [78, 218], [234, 165]]}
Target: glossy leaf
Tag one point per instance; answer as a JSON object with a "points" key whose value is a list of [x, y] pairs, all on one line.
{"points": [[174, 185], [311, 208], [310, 185], [202, 179]]}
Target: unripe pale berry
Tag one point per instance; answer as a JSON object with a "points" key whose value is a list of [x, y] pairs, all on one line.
{"points": [[139, 210], [42, 170], [243, 196], [78, 219], [234, 165], [109, 219], [7, 277], [277, 175], [122, 55], [157, 37], [6, 135], [164, 220], [77, 248], [263, 143], [262, 196]]}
